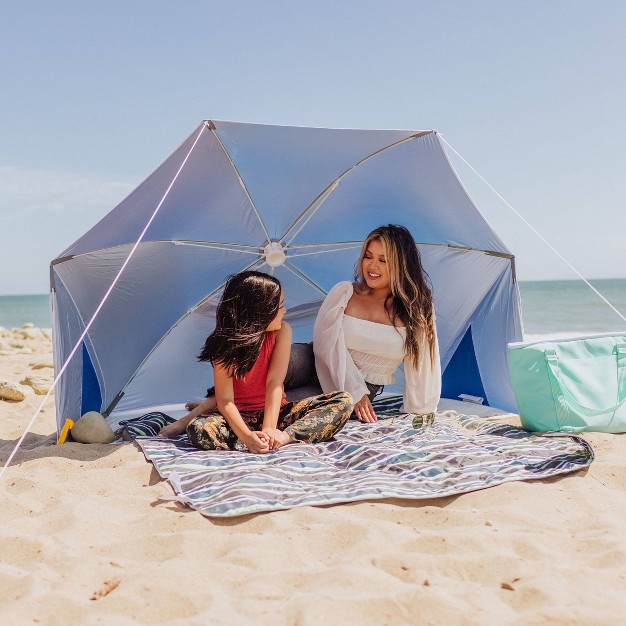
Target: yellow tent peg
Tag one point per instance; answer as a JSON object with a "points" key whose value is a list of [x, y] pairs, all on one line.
{"points": [[66, 429]]}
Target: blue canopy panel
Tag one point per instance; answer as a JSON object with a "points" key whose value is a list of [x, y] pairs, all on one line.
{"points": [[462, 376], [91, 397]]}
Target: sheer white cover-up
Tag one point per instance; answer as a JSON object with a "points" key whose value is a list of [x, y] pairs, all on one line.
{"points": [[349, 351]]}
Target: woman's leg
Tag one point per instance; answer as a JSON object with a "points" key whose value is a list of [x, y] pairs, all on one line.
{"points": [[211, 432], [316, 419]]}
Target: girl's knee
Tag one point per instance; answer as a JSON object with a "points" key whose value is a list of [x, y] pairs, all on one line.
{"points": [[209, 433]]}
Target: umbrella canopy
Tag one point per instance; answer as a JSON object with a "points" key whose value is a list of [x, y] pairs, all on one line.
{"points": [[296, 202]]}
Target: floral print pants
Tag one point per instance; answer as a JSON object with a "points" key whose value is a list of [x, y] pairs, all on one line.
{"points": [[311, 420]]}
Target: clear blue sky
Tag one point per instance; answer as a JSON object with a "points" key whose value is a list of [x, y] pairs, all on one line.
{"points": [[96, 94]]}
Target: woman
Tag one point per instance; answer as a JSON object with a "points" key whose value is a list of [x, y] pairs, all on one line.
{"points": [[366, 329], [249, 350]]}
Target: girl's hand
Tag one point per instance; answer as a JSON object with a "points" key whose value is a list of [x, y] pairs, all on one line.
{"points": [[206, 406], [365, 411], [257, 442], [277, 437], [269, 432]]}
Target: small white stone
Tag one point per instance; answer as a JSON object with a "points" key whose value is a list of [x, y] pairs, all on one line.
{"points": [[28, 325], [31, 333]]}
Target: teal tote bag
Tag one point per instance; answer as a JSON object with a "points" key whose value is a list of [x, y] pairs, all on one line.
{"points": [[570, 385]]}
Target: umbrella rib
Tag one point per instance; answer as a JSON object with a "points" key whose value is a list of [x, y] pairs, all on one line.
{"points": [[293, 256], [212, 128], [230, 247], [303, 276], [162, 339], [214, 243], [312, 208], [328, 243], [210, 247]]}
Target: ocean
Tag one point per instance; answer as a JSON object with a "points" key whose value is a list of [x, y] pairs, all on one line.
{"points": [[569, 308], [564, 308]]}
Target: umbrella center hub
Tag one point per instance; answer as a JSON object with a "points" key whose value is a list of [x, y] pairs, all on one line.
{"points": [[274, 254]]}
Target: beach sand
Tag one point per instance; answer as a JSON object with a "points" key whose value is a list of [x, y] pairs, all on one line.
{"points": [[89, 537]]}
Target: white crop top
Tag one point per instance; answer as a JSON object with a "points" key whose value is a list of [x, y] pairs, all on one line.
{"points": [[376, 349], [349, 351]]}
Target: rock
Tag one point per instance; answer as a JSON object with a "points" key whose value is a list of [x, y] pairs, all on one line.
{"points": [[31, 333], [18, 345], [13, 391], [40, 384], [25, 351], [39, 365], [92, 428], [7, 352], [28, 325]]}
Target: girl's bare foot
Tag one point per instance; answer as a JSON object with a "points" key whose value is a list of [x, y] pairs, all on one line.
{"points": [[173, 430], [281, 438]]}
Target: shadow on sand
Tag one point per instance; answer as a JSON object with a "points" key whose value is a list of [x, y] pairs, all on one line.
{"points": [[37, 446]]}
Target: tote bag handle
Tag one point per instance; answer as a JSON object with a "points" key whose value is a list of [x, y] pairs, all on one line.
{"points": [[554, 373]]}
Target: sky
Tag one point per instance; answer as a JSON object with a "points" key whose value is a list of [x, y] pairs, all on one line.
{"points": [[95, 95]]}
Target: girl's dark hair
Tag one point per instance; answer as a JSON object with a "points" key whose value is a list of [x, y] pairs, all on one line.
{"points": [[411, 299], [249, 303]]}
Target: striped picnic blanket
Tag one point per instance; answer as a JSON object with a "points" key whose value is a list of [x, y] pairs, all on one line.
{"points": [[388, 459]]}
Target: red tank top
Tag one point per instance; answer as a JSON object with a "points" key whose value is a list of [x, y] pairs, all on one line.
{"points": [[249, 391]]}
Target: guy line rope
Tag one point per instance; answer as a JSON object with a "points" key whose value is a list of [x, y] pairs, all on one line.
{"points": [[537, 233], [104, 299]]}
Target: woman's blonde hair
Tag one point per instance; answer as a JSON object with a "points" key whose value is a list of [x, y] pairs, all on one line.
{"points": [[411, 299]]}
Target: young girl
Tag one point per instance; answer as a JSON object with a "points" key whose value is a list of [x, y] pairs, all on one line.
{"points": [[249, 350], [366, 329]]}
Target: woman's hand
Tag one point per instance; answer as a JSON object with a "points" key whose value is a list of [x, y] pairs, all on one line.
{"points": [[365, 411], [257, 442]]}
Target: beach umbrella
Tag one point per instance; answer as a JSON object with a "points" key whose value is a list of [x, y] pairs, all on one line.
{"points": [[296, 202]]}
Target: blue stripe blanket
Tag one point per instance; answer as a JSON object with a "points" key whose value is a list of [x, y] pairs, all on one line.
{"points": [[388, 459]]}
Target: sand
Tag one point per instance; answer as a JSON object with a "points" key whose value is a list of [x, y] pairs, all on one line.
{"points": [[88, 536]]}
